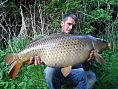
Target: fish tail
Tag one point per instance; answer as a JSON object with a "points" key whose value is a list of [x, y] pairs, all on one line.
{"points": [[9, 59], [14, 69], [15, 64]]}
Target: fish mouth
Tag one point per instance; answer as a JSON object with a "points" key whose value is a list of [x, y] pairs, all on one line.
{"points": [[106, 48], [109, 45]]}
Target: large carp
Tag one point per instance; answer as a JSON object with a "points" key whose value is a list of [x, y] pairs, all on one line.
{"points": [[58, 50]]}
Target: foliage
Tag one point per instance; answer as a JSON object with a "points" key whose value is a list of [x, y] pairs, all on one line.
{"points": [[95, 16], [87, 11], [32, 76], [107, 74], [24, 80]]}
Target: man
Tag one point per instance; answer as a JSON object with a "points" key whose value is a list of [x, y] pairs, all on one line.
{"points": [[81, 76]]}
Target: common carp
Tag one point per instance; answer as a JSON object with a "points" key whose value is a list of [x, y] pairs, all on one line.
{"points": [[58, 50]]}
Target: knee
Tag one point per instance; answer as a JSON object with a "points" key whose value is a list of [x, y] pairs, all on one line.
{"points": [[91, 78], [48, 73], [89, 75]]}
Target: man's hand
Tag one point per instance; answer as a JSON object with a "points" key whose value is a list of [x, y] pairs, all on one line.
{"points": [[87, 64], [36, 60], [91, 56]]}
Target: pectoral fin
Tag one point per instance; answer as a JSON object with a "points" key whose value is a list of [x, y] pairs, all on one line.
{"points": [[66, 70], [98, 58], [14, 69]]}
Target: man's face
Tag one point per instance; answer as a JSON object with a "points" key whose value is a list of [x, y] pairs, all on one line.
{"points": [[68, 25]]}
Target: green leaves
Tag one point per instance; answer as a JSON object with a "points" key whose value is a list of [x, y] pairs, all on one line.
{"points": [[30, 77], [88, 11], [99, 14]]}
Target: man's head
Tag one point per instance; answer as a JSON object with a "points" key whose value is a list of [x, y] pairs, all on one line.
{"points": [[68, 23]]}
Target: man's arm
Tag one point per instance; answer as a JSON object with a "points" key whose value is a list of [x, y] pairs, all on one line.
{"points": [[86, 66]]}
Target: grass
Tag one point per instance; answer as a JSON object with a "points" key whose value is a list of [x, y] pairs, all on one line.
{"points": [[31, 77], [107, 74]]}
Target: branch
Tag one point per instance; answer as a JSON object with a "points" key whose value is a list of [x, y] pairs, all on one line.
{"points": [[23, 31]]}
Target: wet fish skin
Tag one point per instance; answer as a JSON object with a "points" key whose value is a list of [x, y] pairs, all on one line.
{"points": [[57, 50], [69, 51]]}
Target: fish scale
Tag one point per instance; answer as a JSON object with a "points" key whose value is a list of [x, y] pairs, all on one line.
{"points": [[58, 50]]}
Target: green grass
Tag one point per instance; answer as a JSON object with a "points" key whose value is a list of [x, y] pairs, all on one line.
{"points": [[107, 74], [31, 77]]}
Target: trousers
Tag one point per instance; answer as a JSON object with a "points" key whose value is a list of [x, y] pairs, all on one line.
{"points": [[78, 77]]}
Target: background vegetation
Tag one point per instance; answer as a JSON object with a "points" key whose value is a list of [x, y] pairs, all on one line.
{"points": [[96, 17]]}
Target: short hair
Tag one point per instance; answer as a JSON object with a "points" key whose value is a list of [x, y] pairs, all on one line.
{"points": [[73, 16]]}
